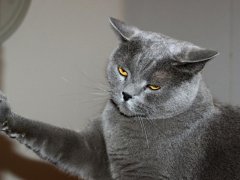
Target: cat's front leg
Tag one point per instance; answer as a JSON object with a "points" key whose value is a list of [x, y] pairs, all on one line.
{"points": [[80, 153]]}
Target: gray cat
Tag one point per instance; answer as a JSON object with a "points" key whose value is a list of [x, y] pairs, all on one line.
{"points": [[160, 122]]}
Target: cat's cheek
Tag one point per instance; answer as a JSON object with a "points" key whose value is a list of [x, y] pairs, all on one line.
{"points": [[117, 99], [141, 98], [113, 80], [122, 79], [151, 98]]}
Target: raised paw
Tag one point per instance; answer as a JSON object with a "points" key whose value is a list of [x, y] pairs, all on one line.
{"points": [[4, 109]]}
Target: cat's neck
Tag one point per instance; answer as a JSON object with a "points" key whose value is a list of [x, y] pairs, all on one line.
{"points": [[203, 97], [203, 103]]}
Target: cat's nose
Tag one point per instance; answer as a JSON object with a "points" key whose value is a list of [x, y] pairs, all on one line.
{"points": [[126, 96]]}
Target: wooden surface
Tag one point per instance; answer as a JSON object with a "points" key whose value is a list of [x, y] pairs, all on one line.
{"points": [[26, 168]]}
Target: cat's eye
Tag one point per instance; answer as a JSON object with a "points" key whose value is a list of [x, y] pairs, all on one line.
{"points": [[154, 87], [122, 72]]}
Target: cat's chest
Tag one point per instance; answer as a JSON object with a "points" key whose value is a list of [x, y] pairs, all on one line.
{"points": [[131, 150], [139, 146]]}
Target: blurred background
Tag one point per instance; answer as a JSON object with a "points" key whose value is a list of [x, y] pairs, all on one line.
{"points": [[52, 66]]}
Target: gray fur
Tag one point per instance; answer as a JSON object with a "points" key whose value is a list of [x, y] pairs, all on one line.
{"points": [[177, 132]]}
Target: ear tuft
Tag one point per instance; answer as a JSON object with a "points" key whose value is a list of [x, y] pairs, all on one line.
{"points": [[123, 31]]}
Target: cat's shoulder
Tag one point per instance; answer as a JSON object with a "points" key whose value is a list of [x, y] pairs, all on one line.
{"points": [[94, 124], [228, 113], [225, 124]]}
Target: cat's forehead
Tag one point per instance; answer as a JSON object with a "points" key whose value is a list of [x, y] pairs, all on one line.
{"points": [[150, 46], [146, 51], [153, 46]]}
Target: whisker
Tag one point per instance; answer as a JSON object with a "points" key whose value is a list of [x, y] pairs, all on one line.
{"points": [[94, 92], [91, 100], [96, 81], [144, 129], [102, 89], [99, 94], [89, 78], [85, 75], [98, 103]]}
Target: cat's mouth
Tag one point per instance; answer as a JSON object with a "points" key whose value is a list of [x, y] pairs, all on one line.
{"points": [[124, 111]]}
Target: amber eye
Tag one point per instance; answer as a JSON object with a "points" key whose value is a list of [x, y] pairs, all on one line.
{"points": [[154, 87], [122, 72]]}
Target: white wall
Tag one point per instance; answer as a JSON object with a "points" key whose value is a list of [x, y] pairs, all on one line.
{"points": [[212, 24], [45, 60]]}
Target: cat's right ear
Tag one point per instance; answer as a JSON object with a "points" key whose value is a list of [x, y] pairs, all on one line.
{"points": [[123, 31]]}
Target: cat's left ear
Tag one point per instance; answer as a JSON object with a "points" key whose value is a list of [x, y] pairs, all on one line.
{"points": [[193, 59], [123, 31]]}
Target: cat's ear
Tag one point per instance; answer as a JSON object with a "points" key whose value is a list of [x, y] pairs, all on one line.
{"points": [[123, 31], [192, 59]]}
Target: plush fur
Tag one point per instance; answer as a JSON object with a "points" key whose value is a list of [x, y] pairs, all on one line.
{"points": [[176, 132]]}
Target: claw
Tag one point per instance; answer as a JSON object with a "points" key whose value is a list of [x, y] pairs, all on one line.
{"points": [[5, 126], [5, 129], [14, 135]]}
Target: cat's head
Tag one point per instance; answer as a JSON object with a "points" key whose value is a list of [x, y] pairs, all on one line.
{"points": [[153, 75]]}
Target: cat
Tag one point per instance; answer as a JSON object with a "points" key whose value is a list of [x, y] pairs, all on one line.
{"points": [[160, 121]]}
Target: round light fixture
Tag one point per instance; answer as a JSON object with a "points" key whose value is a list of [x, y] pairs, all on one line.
{"points": [[12, 13]]}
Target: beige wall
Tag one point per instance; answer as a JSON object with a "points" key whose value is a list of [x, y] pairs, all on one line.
{"points": [[46, 59]]}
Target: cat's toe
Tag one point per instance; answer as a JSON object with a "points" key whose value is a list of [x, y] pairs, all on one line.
{"points": [[2, 96]]}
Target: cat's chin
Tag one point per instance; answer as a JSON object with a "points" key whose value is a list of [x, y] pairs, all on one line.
{"points": [[125, 111]]}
